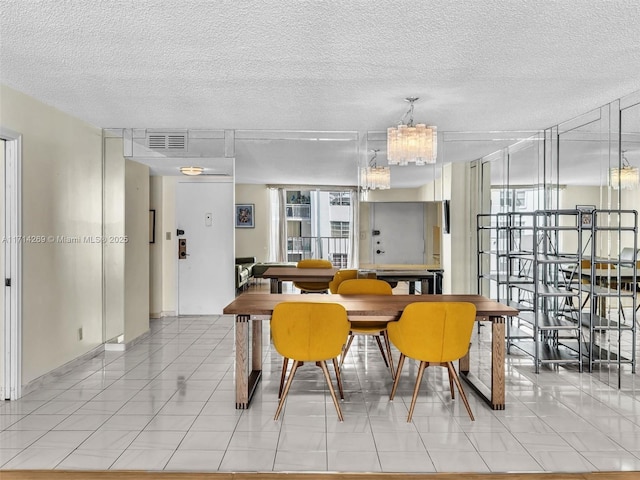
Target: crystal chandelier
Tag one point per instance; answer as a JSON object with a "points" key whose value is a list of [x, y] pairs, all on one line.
{"points": [[411, 143], [626, 177], [374, 177]]}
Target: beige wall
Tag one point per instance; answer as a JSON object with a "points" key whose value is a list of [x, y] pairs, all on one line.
{"points": [[456, 255], [113, 263], [167, 231], [136, 271], [607, 243], [254, 242], [62, 200], [156, 276], [126, 263]]}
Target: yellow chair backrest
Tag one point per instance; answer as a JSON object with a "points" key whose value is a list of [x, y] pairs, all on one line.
{"points": [[309, 331], [341, 276], [364, 286], [434, 331], [314, 263]]}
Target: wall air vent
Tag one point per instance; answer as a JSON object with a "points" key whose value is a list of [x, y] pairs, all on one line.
{"points": [[167, 141]]}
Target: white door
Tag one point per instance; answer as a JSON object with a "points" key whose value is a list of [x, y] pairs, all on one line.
{"points": [[398, 233], [4, 387], [11, 265], [204, 212]]}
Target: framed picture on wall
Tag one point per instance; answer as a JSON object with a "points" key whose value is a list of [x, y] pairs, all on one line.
{"points": [[586, 215], [244, 215]]}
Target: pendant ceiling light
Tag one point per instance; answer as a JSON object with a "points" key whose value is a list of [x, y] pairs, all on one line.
{"points": [[374, 177], [625, 177], [409, 143]]}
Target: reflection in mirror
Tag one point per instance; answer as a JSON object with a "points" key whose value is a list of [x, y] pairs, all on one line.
{"points": [[418, 244]]}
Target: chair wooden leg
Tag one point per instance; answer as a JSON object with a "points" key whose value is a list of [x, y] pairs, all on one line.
{"points": [[283, 375], [421, 369], [384, 357], [325, 370], [453, 395], [397, 378], [452, 371], [387, 343], [295, 366], [346, 348], [339, 377]]}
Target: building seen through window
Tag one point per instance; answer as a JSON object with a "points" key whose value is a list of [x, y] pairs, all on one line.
{"points": [[319, 225]]}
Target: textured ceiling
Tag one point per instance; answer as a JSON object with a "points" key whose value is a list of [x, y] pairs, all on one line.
{"points": [[321, 66]]}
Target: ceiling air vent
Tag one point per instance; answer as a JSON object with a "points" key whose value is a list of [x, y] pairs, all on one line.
{"points": [[164, 141]]}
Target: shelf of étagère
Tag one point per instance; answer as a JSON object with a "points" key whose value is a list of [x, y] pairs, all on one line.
{"points": [[519, 280], [557, 259], [601, 354], [548, 290], [562, 353], [566, 228], [597, 322], [516, 333], [521, 255], [549, 322], [503, 279], [522, 307], [611, 292]]}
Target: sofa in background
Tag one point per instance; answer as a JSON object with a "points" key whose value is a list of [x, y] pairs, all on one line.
{"points": [[244, 271]]}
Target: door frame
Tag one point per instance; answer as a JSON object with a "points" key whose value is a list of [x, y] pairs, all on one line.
{"points": [[12, 219]]}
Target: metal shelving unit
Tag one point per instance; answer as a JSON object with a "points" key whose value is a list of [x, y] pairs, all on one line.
{"points": [[614, 289], [555, 319], [536, 262]]}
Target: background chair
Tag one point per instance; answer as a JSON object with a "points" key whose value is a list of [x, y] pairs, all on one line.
{"points": [[434, 333], [341, 276], [309, 332], [313, 287], [377, 328]]}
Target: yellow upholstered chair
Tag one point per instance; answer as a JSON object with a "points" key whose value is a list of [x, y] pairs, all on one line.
{"points": [[368, 286], [313, 287], [309, 332], [434, 333], [341, 276]]}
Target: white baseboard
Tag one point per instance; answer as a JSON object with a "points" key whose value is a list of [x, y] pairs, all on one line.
{"points": [[58, 372]]}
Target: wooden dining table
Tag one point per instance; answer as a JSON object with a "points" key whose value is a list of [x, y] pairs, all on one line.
{"points": [[277, 275], [251, 309]]}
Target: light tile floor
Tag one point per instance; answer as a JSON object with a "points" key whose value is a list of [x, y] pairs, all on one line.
{"points": [[167, 403]]}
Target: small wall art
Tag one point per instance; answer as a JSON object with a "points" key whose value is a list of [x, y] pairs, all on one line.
{"points": [[244, 215]]}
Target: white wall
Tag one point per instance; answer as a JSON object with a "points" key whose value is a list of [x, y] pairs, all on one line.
{"points": [[254, 242], [62, 196]]}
